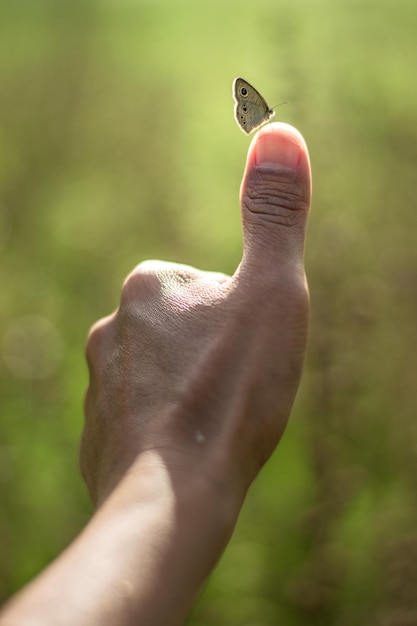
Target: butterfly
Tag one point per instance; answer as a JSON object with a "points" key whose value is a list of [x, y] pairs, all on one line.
{"points": [[251, 110]]}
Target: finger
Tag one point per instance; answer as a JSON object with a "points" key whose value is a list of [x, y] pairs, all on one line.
{"points": [[275, 199], [154, 282], [162, 269], [100, 337], [217, 277]]}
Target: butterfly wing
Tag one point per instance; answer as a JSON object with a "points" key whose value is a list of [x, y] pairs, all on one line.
{"points": [[251, 109]]}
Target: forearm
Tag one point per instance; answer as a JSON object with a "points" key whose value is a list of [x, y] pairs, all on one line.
{"points": [[141, 559]]}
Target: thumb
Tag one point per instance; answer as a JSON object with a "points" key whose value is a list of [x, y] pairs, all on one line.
{"points": [[275, 199]]}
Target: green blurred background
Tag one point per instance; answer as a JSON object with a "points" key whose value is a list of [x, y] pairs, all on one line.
{"points": [[117, 143]]}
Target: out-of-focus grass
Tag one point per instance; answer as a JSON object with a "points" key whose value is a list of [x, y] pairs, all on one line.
{"points": [[117, 143]]}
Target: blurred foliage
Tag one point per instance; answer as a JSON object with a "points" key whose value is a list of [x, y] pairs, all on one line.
{"points": [[117, 143]]}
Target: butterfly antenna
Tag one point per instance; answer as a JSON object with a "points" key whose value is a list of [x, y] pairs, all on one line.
{"points": [[280, 104]]}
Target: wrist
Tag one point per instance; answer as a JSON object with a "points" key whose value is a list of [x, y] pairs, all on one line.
{"points": [[142, 558], [179, 496], [173, 530]]}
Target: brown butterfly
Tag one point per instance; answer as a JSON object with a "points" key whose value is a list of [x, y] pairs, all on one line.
{"points": [[251, 110]]}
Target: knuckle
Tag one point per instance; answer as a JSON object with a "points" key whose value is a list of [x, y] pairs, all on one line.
{"points": [[95, 337], [279, 199], [152, 282], [140, 284]]}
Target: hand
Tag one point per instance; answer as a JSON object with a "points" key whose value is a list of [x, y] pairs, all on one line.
{"points": [[192, 381], [202, 368]]}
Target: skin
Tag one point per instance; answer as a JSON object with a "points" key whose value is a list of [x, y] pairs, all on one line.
{"points": [[192, 381]]}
